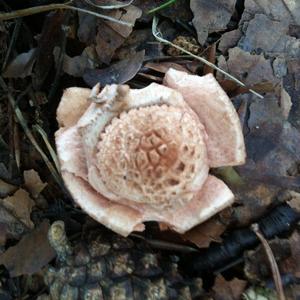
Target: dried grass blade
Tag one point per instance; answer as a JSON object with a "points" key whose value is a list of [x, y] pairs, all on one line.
{"points": [[52, 152], [158, 35], [113, 6], [29, 134], [43, 8]]}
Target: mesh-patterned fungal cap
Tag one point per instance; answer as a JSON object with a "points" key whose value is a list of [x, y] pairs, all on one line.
{"points": [[129, 156]]}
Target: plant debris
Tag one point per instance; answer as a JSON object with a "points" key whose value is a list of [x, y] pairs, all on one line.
{"points": [[31, 254], [252, 47]]}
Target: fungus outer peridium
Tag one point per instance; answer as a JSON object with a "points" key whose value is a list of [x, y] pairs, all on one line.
{"points": [[140, 155]]}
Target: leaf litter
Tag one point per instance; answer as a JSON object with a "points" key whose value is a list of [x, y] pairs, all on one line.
{"points": [[258, 45]]}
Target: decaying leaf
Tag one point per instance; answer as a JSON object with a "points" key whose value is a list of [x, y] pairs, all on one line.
{"points": [[30, 254], [264, 34], [228, 290], [111, 36], [279, 10], [75, 66], [21, 66], [6, 188], [119, 72], [250, 69], [10, 226], [33, 183], [20, 205], [257, 266], [203, 234], [292, 264], [254, 199], [229, 40], [211, 16]]}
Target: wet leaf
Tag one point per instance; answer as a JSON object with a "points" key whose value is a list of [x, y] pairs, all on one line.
{"points": [[20, 205], [211, 16], [228, 290], [119, 72], [30, 254], [33, 183], [21, 66]]}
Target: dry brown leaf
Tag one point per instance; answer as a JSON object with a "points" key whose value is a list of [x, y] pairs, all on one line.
{"points": [[33, 183], [229, 40], [20, 205], [6, 188], [228, 290], [30, 254], [250, 69], [211, 16], [21, 66], [111, 35], [203, 234]]}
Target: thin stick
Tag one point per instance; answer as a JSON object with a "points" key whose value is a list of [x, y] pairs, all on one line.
{"points": [[158, 35], [43, 8], [273, 264], [113, 6]]}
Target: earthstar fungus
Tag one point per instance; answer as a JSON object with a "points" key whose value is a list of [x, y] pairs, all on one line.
{"points": [[134, 155]]}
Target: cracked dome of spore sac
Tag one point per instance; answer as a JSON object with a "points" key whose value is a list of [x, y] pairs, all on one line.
{"points": [[154, 155]]}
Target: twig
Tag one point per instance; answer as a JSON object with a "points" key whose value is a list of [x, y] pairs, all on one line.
{"points": [[29, 134], [43, 8], [164, 5], [271, 258], [158, 35], [113, 6]]}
